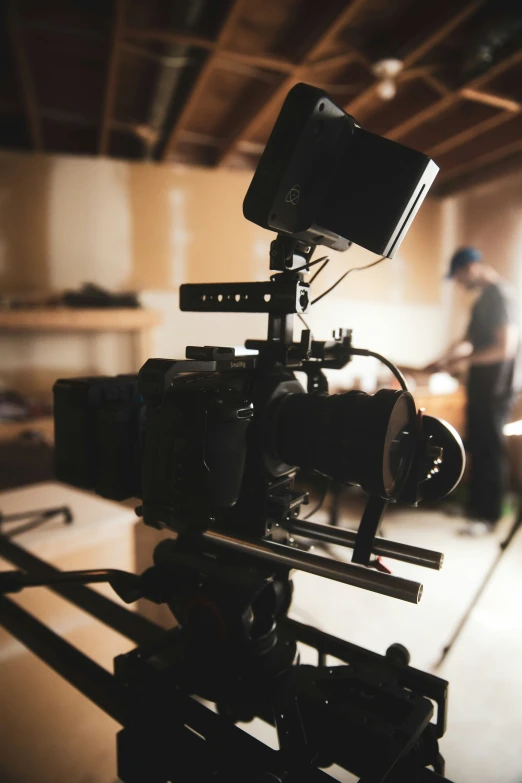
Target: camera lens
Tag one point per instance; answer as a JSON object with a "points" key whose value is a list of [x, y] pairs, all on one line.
{"points": [[354, 438]]}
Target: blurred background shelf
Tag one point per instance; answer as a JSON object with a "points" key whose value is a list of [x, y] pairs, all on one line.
{"points": [[138, 322], [58, 319], [9, 430]]}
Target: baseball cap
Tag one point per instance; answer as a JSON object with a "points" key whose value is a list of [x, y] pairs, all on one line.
{"points": [[462, 257]]}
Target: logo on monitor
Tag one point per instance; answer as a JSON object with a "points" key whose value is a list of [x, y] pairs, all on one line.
{"points": [[293, 195]]}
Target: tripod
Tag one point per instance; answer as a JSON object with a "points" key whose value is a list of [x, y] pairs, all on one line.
{"points": [[502, 548], [237, 648], [34, 519]]}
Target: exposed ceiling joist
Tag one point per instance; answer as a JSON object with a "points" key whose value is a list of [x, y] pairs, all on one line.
{"points": [[90, 91], [24, 75], [268, 61], [112, 76], [487, 173], [337, 61], [254, 116], [476, 170], [490, 99], [437, 85], [203, 76], [470, 133], [157, 35], [442, 32], [453, 97], [438, 35]]}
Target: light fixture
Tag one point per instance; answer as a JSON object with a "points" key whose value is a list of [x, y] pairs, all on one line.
{"points": [[386, 72]]}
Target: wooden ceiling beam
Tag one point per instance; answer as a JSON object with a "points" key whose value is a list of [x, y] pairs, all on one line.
{"points": [[490, 99], [202, 79], [504, 167], [442, 32], [427, 114], [419, 51], [472, 172], [452, 98], [158, 35], [111, 80], [268, 61], [24, 75], [436, 84], [469, 134], [338, 61], [256, 114]]}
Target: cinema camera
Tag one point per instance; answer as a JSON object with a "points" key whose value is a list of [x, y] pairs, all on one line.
{"points": [[212, 443]]}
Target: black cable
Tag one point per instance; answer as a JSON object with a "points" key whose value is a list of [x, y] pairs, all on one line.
{"points": [[318, 271], [304, 322], [395, 370], [310, 264], [349, 271], [326, 489]]}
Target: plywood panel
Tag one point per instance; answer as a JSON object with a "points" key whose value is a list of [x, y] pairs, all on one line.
{"points": [[24, 221], [188, 227]]}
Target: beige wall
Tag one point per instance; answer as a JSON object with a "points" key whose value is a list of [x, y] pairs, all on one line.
{"points": [[491, 219], [65, 220]]}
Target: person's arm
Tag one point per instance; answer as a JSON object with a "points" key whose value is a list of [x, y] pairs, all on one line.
{"points": [[504, 347], [457, 351]]}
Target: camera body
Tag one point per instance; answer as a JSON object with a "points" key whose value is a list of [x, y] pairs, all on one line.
{"points": [[216, 441], [191, 442]]}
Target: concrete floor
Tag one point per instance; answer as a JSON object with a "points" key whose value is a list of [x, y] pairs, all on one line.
{"points": [[483, 743]]}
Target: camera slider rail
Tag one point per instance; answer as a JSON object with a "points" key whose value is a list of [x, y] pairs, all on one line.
{"points": [[370, 713]]}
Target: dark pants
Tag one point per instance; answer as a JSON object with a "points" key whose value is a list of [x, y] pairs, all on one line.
{"points": [[489, 463]]}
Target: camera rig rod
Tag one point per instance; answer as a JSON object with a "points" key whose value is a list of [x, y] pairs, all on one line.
{"points": [[396, 551], [355, 575]]}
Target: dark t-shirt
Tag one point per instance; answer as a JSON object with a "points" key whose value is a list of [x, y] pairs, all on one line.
{"points": [[493, 309]]}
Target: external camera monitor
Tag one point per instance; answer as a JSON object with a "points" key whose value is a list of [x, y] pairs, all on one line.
{"points": [[327, 181]]}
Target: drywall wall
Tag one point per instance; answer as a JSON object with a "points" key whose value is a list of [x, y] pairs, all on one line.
{"points": [[491, 218], [66, 220]]}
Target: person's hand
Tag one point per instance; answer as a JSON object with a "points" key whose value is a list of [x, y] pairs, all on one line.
{"points": [[439, 366], [455, 365]]}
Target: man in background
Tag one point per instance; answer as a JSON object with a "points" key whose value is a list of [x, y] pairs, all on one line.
{"points": [[490, 346]]}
